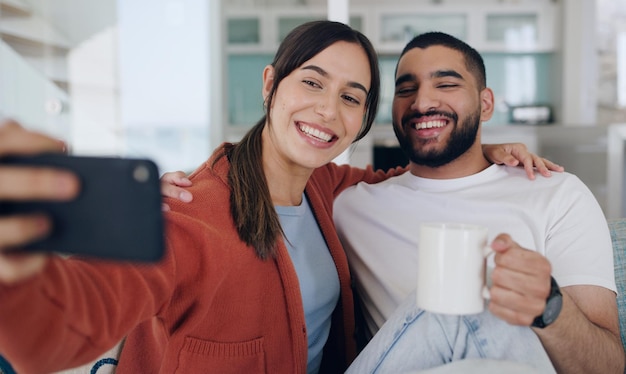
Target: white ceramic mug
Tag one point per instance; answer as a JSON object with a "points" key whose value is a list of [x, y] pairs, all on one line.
{"points": [[451, 276]]}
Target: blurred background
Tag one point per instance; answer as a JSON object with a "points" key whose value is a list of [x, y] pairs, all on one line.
{"points": [[172, 79]]}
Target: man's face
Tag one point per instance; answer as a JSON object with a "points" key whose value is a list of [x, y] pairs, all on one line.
{"points": [[436, 107]]}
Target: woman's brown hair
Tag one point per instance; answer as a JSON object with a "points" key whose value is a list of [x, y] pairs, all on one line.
{"points": [[251, 205]]}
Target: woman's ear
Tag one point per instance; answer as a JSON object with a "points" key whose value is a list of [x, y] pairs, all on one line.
{"points": [[268, 81]]}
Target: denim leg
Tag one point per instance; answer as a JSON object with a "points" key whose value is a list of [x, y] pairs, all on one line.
{"points": [[413, 339]]}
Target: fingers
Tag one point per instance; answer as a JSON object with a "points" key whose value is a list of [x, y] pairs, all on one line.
{"points": [[542, 165], [21, 229], [178, 178], [510, 160], [511, 255], [515, 310], [530, 171], [517, 297], [501, 153], [27, 183], [20, 183], [16, 267], [16, 140], [553, 166], [514, 154], [179, 193], [172, 185], [520, 282], [539, 164], [16, 231], [528, 159], [534, 163], [502, 242]]}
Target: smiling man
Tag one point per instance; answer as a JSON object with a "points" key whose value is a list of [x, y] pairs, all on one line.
{"points": [[547, 232]]}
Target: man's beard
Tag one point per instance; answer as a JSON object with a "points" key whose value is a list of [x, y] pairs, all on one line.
{"points": [[461, 139]]}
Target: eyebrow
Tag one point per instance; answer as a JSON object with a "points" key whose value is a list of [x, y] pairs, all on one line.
{"points": [[437, 74], [446, 73], [325, 74]]}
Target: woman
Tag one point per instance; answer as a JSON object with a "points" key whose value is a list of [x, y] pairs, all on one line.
{"points": [[231, 295]]}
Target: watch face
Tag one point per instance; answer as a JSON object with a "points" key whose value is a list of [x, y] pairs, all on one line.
{"points": [[553, 308]]}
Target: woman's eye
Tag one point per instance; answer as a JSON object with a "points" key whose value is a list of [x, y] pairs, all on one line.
{"points": [[352, 100], [311, 83]]}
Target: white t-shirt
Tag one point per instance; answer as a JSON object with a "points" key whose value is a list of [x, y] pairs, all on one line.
{"points": [[557, 217]]}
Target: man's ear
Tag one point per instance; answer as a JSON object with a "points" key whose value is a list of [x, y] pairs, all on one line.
{"points": [[486, 104], [268, 80]]}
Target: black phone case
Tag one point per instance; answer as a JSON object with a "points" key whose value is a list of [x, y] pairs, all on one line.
{"points": [[117, 215]]}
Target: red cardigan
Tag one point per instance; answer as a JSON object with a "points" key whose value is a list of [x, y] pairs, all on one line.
{"points": [[210, 306]]}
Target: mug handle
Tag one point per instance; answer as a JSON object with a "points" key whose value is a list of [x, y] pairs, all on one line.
{"points": [[487, 251]]}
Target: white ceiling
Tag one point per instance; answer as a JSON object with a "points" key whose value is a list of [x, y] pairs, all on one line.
{"points": [[77, 20]]}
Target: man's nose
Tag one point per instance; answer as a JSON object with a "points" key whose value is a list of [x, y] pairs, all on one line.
{"points": [[425, 100]]}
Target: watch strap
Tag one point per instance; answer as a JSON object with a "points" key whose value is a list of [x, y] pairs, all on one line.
{"points": [[553, 306]]}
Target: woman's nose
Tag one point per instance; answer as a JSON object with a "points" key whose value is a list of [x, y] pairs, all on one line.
{"points": [[327, 108]]}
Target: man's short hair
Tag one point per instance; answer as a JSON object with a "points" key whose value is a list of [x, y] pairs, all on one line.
{"points": [[473, 60]]}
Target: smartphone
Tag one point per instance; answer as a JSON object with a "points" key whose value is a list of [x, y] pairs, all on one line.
{"points": [[116, 216]]}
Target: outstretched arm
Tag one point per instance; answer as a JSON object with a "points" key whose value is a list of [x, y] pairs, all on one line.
{"points": [[515, 154]]}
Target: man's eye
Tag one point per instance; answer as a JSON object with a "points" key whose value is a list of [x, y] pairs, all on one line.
{"points": [[448, 85], [405, 91]]}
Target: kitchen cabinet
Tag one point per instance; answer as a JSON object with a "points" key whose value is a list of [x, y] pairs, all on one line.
{"points": [[510, 35], [492, 27]]}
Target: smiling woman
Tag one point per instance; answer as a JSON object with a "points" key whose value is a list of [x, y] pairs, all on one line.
{"points": [[267, 266]]}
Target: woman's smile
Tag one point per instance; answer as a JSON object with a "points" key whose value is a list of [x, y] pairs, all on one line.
{"points": [[315, 133]]}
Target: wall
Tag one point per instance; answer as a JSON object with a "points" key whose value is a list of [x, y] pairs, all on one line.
{"points": [[24, 91], [164, 70], [611, 21]]}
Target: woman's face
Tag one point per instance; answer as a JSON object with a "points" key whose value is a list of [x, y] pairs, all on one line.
{"points": [[318, 109]]}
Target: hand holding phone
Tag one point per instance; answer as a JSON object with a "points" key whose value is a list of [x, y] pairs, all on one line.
{"points": [[116, 215]]}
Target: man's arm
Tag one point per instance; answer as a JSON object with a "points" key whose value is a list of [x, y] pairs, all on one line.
{"points": [[584, 338], [589, 312]]}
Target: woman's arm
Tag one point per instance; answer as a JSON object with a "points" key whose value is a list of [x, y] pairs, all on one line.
{"points": [[173, 184], [515, 154]]}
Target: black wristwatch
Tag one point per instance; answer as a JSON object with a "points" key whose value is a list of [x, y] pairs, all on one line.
{"points": [[553, 306]]}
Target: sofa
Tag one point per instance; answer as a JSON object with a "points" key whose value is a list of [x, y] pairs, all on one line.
{"points": [[107, 362], [618, 236]]}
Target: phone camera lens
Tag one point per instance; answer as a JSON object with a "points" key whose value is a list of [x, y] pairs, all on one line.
{"points": [[141, 173]]}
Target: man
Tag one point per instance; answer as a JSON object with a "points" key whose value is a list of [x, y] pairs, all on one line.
{"points": [[440, 100]]}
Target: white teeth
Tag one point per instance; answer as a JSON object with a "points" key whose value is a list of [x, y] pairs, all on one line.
{"points": [[430, 124], [315, 133]]}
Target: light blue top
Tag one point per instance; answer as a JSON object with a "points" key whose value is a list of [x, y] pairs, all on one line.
{"points": [[317, 274]]}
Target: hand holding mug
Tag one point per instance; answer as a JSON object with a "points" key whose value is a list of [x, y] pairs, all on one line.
{"points": [[520, 282]]}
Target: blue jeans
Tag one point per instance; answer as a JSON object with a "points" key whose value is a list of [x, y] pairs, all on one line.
{"points": [[413, 339]]}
